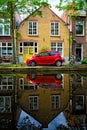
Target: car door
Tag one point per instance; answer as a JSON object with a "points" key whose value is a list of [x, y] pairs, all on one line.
{"points": [[51, 57], [43, 58]]}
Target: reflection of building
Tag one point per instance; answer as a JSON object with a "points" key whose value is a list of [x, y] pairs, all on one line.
{"points": [[78, 85], [7, 109], [44, 104]]}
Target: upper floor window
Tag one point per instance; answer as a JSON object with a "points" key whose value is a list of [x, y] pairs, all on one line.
{"points": [[79, 28], [54, 31], [32, 29], [4, 27]]}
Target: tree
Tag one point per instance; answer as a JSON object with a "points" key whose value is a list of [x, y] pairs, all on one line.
{"points": [[76, 5], [8, 9]]}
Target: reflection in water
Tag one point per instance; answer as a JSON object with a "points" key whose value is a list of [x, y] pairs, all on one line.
{"points": [[43, 102]]}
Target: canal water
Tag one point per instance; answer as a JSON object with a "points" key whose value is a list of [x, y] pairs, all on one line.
{"points": [[43, 101]]}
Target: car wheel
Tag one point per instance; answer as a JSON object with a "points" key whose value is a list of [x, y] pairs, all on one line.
{"points": [[32, 63], [58, 76], [58, 63]]}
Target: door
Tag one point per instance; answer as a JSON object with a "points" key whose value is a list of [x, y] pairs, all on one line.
{"points": [[27, 52], [78, 52]]}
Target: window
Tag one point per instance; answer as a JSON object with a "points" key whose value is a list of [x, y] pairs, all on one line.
{"points": [[44, 54], [79, 102], [6, 83], [5, 104], [5, 48], [58, 47], [55, 101], [32, 28], [21, 83], [27, 44], [54, 29], [33, 102], [4, 27], [79, 28], [52, 53]]}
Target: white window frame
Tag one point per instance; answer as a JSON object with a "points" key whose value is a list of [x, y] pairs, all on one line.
{"points": [[32, 28], [3, 104], [56, 47], [54, 29], [5, 85], [6, 48], [2, 25], [54, 103], [21, 45], [78, 25], [33, 104]]}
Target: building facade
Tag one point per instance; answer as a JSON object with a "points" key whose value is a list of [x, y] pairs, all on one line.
{"points": [[77, 29], [46, 31]]}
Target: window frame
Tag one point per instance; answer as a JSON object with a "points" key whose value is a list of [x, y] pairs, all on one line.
{"points": [[21, 46], [56, 47], [54, 28], [3, 108], [33, 103], [4, 49], [3, 25], [82, 25], [55, 104], [33, 28]]}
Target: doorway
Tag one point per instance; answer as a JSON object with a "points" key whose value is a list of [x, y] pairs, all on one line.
{"points": [[78, 52]]}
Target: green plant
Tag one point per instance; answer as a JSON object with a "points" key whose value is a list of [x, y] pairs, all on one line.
{"points": [[84, 61]]}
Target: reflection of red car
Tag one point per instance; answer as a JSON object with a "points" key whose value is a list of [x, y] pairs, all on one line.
{"points": [[45, 58], [46, 81]]}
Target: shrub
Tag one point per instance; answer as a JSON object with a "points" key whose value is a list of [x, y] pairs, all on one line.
{"points": [[84, 61]]}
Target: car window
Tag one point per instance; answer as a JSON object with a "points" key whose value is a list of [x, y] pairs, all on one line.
{"points": [[52, 53], [44, 54]]}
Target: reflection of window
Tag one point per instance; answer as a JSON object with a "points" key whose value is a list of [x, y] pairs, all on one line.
{"points": [[79, 102], [33, 102], [6, 83], [21, 83], [55, 101], [5, 104], [80, 28]]}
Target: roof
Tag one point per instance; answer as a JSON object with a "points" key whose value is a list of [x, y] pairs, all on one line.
{"points": [[40, 9]]}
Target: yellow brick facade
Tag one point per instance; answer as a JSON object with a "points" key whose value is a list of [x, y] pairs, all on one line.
{"points": [[43, 38]]}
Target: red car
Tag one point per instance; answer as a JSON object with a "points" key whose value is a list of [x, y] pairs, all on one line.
{"points": [[46, 81], [45, 58]]}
